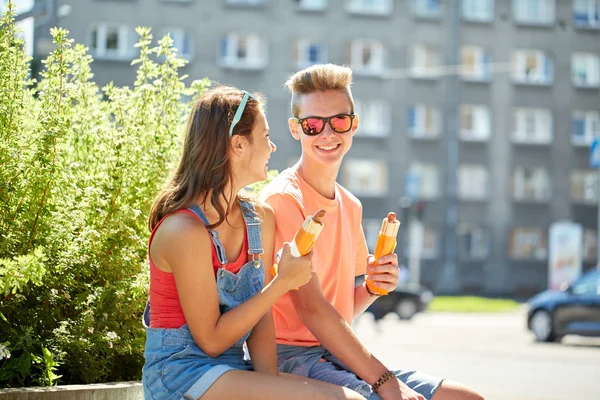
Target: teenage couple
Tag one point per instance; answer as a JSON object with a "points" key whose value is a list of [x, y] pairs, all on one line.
{"points": [[211, 248]]}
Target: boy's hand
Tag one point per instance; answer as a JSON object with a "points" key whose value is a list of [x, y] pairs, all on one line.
{"points": [[385, 275], [398, 390]]}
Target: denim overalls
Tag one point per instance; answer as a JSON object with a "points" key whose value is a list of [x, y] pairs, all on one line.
{"points": [[175, 367]]}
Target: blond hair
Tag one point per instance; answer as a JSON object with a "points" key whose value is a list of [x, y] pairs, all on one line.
{"points": [[318, 78]]}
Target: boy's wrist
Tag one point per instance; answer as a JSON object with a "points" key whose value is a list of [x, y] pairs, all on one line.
{"points": [[371, 294]]}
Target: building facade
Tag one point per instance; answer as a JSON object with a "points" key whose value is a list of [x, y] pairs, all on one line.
{"points": [[489, 153]]}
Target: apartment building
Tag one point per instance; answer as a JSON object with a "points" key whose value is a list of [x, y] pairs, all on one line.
{"points": [[494, 150]]}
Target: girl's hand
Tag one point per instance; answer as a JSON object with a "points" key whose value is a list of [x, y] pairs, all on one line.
{"points": [[294, 271]]}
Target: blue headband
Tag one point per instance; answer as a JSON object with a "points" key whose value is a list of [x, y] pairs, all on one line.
{"points": [[239, 112]]}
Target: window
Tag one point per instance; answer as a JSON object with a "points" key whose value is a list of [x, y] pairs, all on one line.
{"points": [[426, 178], [371, 7], [472, 182], [585, 127], [430, 243], [533, 11], [243, 51], [427, 8], [473, 242], [312, 5], [425, 61], [532, 126], [375, 117], [475, 64], [366, 57], [478, 10], [112, 42], [182, 41], [247, 2], [531, 184], [589, 245], [585, 69], [587, 284], [532, 67], [584, 186], [528, 243], [423, 121], [475, 124], [586, 13], [309, 53], [366, 178]]}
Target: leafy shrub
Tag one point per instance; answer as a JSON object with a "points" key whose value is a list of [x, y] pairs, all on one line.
{"points": [[79, 169]]}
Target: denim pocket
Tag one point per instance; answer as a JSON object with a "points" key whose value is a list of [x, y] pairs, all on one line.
{"points": [[172, 368]]}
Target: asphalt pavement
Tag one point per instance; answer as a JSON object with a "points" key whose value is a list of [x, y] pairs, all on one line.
{"points": [[493, 353]]}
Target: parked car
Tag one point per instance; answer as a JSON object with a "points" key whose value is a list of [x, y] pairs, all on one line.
{"points": [[574, 310], [405, 301]]}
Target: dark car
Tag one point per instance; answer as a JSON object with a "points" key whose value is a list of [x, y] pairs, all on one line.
{"points": [[406, 300], [574, 310]]}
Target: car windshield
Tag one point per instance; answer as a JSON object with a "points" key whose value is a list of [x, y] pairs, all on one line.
{"points": [[588, 283]]}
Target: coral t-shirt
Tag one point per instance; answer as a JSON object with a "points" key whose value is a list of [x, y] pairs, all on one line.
{"points": [[339, 255]]}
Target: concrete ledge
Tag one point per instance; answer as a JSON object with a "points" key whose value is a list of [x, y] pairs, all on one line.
{"points": [[99, 391]]}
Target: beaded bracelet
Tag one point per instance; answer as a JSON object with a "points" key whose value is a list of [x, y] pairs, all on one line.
{"points": [[383, 379]]}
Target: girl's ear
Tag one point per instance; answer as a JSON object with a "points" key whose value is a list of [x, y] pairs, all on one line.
{"points": [[238, 144], [294, 126]]}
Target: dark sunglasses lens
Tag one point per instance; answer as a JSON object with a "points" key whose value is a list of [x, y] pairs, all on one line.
{"points": [[312, 126], [341, 124]]}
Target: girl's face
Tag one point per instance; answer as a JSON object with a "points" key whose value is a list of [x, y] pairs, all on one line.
{"points": [[260, 147]]}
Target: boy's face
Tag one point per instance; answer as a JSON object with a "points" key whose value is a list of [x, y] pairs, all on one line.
{"points": [[327, 148]]}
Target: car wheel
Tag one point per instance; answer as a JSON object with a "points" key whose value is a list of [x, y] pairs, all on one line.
{"points": [[541, 325], [406, 309]]}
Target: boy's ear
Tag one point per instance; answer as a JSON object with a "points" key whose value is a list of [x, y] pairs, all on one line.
{"points": [[294, 128], [354, 124]]}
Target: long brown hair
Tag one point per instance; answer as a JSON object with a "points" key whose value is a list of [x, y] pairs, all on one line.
{"points": [[204, 164]]}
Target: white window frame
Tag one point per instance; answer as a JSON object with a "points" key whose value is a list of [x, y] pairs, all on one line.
{"points": [[428, 177], [542, 133], [366, 177], [375, 117], [420, 56], [312, 5], [478, 10], [376, 65], [249, 3], [179, 35], [591, 127], [537, 75], [473, 182], [480, 121], [532, 185], [423, 113], [480, 69], [256, 56], [535, 246], [420, 8], [370, 7], [584, 186], [303, 47], [591, 10], [590, 62], [480, 243], [125, 42], [524, 12]]}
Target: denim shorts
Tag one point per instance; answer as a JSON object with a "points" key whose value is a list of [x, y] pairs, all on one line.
{"points": [[317, 363]]}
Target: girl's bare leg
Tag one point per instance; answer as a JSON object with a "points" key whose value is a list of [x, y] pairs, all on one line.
{"points": [[249, 385]]}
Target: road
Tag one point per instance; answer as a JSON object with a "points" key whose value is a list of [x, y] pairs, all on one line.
{"points": [[493, 353]]}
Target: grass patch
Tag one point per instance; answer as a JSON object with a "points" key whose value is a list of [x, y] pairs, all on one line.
{"points": [[471, 304]]}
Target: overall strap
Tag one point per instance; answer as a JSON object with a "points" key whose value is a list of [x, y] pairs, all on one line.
{"points": [[253, 229], [214, 235]]}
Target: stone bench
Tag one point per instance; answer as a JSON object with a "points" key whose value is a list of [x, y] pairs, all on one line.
{"points": [[99, 391]]}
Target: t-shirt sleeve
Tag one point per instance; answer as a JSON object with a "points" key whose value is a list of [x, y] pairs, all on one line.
{"points": [[362, 250], [288, 219]]}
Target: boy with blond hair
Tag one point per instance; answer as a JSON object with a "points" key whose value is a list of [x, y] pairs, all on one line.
{"points": [[312, 324]]}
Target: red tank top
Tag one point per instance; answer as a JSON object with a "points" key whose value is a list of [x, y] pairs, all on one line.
{"points": [[166, 311]]}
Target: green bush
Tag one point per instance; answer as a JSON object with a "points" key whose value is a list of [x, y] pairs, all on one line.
{"points": [[79, 169]]}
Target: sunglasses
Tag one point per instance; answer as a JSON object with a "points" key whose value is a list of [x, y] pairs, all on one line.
{"points": [[239, 112], [313, 126]]}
